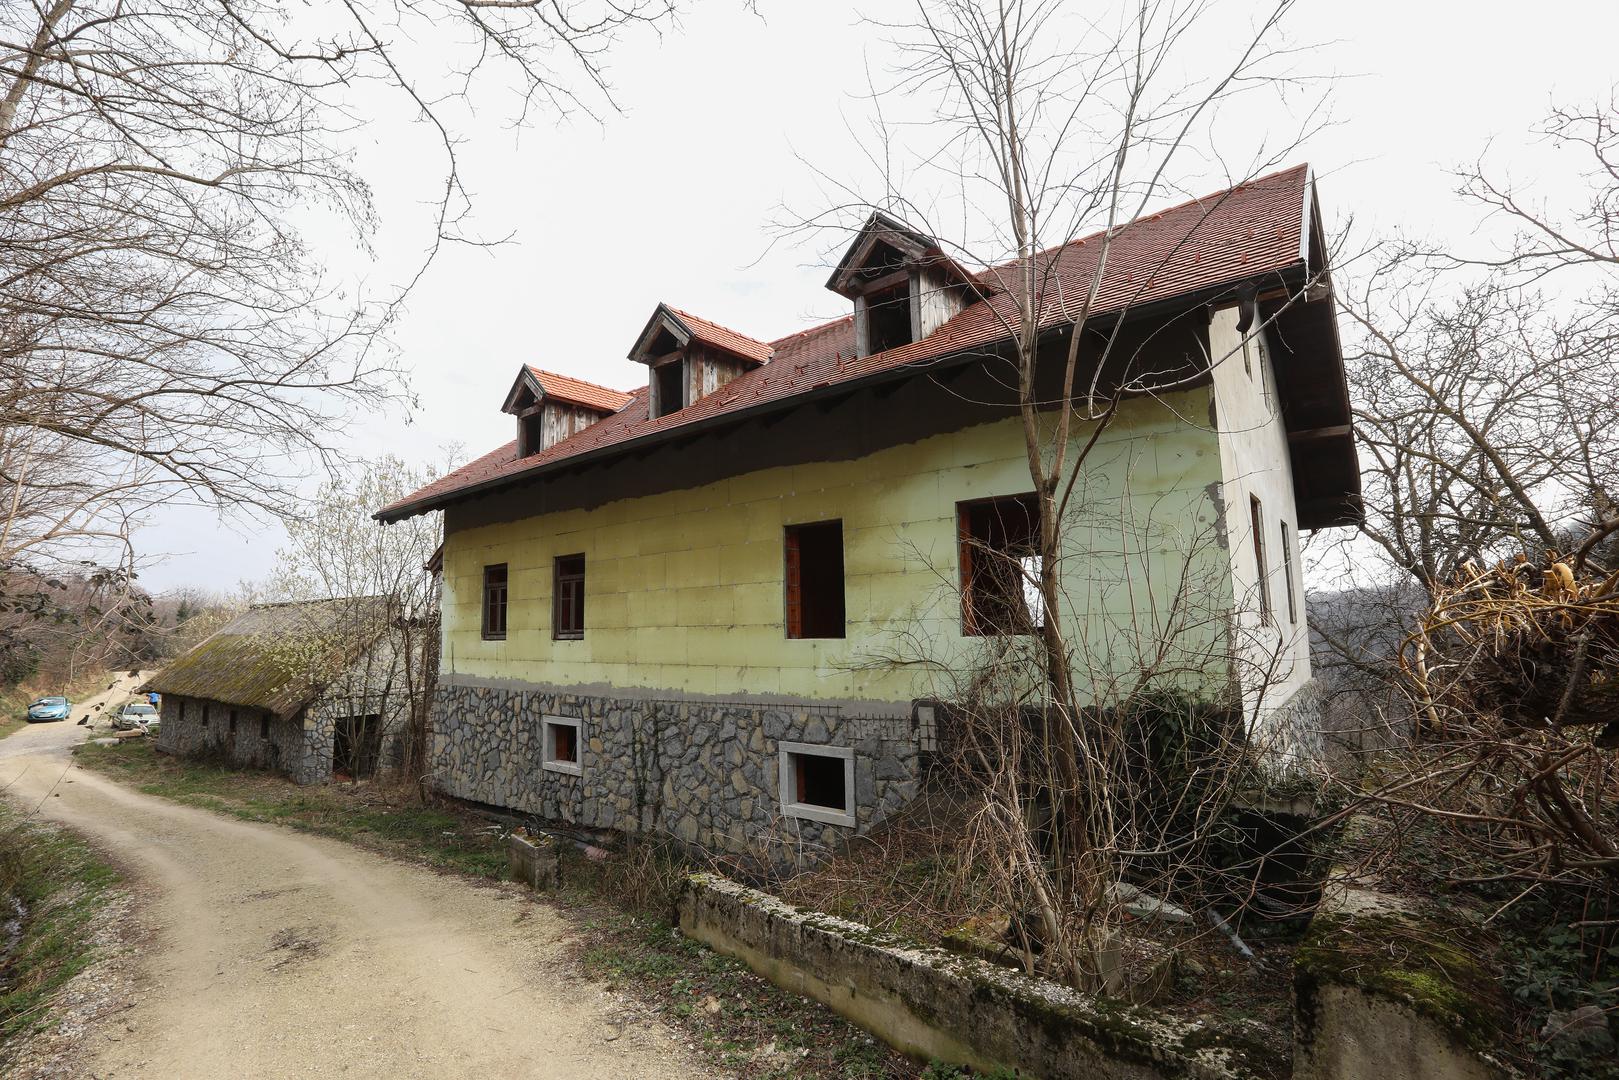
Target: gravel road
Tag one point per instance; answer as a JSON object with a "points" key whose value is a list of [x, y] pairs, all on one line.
{"points": [[270, 953]]}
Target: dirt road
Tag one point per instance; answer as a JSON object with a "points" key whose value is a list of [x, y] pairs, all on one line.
{"points": [[276, 954]]}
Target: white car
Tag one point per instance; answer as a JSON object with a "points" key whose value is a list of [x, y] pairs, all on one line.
{"points": [[137, 714]]}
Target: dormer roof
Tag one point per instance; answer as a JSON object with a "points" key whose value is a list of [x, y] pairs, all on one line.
{"points": [[533, 384], [685, 328], [884, 240]]}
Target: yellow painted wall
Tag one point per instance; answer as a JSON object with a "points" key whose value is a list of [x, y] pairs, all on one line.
{"points": [[684, 588]]}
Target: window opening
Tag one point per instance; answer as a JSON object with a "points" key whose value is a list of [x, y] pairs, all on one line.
{"points": [[814, 579], [1257, 513], [494, 602], [231, 723], [264, 726], [1000, 566], [671, 383], [888, 318], [1287, 572], [817, 782], [562, 747], [568, 598]]}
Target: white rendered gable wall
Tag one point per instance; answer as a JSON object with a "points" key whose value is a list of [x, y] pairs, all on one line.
{"points": [[1273, 657]]}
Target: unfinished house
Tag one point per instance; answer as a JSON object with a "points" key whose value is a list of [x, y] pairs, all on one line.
{"points": [[313, 690], [726, 603]]}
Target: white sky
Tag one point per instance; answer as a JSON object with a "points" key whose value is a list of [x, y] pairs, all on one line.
{"points": [[673, 198]]}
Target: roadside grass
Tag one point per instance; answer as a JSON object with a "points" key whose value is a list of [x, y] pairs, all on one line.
{"points": [[51, 885], [619, 910], [379, 817]]}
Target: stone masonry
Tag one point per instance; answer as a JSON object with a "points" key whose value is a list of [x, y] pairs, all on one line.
{"points": [[706, 773]]}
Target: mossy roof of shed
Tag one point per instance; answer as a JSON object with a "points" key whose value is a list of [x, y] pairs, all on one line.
{"points": [[263, 658]]}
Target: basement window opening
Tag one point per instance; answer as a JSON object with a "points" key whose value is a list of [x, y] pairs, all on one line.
{"points": [[562, 738], [670, 380], [817, 783], [888, 318], [1000, 566], [494, 602], [568, 598], [814, 580]]}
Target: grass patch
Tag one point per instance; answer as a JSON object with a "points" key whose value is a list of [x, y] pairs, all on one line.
{"points": [[52, 883], [381, 818]]}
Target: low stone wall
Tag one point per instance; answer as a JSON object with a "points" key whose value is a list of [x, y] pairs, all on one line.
{"points": [[935, 1004], [1381, 991], [706, 773]]}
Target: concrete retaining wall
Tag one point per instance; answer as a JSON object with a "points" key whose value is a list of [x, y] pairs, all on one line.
{"points": [[935, 1004]]}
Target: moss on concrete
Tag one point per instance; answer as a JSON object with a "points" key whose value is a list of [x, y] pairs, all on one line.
{"points": [[1437, 971]]}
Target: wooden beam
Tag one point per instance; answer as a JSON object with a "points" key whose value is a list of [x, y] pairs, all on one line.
{"points": [[1320, 434]]}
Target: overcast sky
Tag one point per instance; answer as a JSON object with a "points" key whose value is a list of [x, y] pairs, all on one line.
{"points": [[728, 117]]}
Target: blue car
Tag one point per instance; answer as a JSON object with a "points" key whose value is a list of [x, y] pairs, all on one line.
{"points": [[50, 708]]}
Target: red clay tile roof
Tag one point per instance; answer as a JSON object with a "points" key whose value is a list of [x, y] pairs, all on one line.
{"points": [[721, 337], [579, 392], [1231, 235]]}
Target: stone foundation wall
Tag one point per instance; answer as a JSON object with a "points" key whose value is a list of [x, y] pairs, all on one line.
{"points": [[706, 773]]}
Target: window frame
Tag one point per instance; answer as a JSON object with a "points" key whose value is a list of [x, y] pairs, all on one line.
{"points": [[558, 578], [966, 545], [790, 807], [1287, 572], [793, 621], [1256, 515], [555, 765], [488, 606]]}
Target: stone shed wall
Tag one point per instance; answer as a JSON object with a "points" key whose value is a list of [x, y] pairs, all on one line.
{"points": [[707, 773], [197, 727]]}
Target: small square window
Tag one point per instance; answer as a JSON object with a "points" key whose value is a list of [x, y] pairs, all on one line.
{"points": [[563, 752], [817, 782], [568, 598]]}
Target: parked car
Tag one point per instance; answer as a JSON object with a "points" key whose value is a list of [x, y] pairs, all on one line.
{"points": [[136, 714], [50, 708]]}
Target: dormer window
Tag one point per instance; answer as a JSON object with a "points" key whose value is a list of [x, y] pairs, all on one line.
{"points": [[903, 286], [689, 358], [551, 407], [669, 387], [888, 318]]}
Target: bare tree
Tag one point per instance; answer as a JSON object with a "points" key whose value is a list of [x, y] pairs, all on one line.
{"points": [[167, 332], [381, 646], [1046, 123]]}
